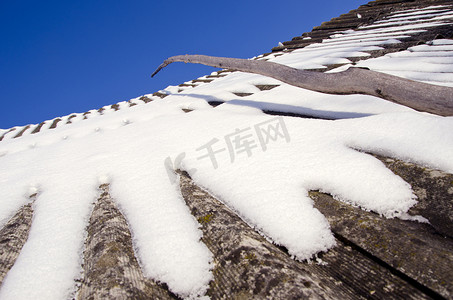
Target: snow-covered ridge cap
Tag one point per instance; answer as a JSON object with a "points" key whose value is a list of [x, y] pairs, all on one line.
{"points": [[394, 31]]}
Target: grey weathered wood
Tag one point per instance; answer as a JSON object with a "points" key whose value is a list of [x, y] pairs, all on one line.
{"points": [[38, 128], [266, 87], [434, 191], [416, 249], [413, 249], [13, 237], [22, 131], [55, 123], [8, 131], [110, 268], [247, 266], [242, 94], [417, 95], [145, 99]]}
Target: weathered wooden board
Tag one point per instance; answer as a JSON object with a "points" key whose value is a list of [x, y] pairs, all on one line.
{"points": [[374, 257], [419, 252], [110, 268], [13, 236], [247, 265]]}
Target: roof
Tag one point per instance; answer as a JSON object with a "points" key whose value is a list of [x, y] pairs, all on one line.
{"points": [[236, 185]]}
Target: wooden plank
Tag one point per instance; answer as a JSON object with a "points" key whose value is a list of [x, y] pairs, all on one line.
{"points": [[160, 95], [434, 191], [69, 119], [242, 94], [202, 80], [38, 128], [54, 124], [145, 99], [22, 131], [111, 270], [266, 87], [13, 237], [249, 266], [418, 251], [4, 134]]}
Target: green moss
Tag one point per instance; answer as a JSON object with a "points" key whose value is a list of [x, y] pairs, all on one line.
{"points": [[205, 219], [250, 256]]}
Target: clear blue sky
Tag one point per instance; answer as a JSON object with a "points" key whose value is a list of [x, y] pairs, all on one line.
{"points": [[61, 57]]}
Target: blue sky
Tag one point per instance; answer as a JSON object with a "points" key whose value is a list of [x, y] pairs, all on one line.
{"points": [[61, 57]]}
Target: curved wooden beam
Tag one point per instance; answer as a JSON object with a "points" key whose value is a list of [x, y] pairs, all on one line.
{"points": [[417, 95]]}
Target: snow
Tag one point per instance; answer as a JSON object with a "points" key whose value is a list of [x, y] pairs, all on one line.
{"points": [[348, 44], [420, 11], [442, 42], [435, 14], [422, 15], [270, 187], [431, 63], [366, 34], [68, 170], [260, 166]]}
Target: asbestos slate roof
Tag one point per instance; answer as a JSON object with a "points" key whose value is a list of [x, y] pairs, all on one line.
{"points": [[373, 256]]}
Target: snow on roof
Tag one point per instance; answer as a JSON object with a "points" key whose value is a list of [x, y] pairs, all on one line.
{"points": [[261, 166]]}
